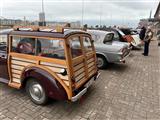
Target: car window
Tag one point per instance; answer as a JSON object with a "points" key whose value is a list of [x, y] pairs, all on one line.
{"points": [[75, 45], [50, 48], [23, 45], [108, 38], [87, 44], [3, 43]]}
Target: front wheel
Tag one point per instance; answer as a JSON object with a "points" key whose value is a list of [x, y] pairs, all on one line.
{"points": [[102, 62], [36, 92]]}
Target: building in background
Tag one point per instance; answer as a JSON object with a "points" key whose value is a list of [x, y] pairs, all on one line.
{"points": [[42, 19]]}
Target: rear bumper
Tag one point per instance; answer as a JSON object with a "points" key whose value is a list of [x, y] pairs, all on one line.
{"points": [[128, 54], [124, 58], [84, 90]]}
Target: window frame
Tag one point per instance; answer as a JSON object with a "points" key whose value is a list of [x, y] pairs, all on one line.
{"points": [[39, 57], [91, 43], [80, 40]]}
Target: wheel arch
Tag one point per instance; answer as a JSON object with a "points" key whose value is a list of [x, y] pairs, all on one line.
{"points": [[103, 55], [49, 81]]}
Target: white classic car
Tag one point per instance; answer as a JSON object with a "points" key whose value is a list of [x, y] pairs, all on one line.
{"points": [[108, 50]]}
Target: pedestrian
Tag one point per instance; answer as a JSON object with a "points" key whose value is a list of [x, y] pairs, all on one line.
{"points": [[142, 33], [147, 40]]}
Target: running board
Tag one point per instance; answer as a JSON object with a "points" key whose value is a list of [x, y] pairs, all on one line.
{"points": [[4, 80], [15, 85]]}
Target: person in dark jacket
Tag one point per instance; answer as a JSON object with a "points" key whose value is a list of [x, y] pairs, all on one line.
{"points": [[147, 39], [142, 33]]}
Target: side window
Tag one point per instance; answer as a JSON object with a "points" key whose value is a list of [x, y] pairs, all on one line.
{"points": [[50, 48], [3, 43], [75, 45], [87, 44], [23, 45]]}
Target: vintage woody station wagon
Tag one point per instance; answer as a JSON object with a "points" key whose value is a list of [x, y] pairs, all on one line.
{"points": [[48, 63]]}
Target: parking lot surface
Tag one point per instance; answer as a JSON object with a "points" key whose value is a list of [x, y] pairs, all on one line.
{"points": [[129, 91]]}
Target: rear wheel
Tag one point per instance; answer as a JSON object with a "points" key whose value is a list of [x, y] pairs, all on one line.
{"points": [[102, 62], [36, 92]]}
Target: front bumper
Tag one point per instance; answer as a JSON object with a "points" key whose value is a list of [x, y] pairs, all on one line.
{"points": [[84, 90]]}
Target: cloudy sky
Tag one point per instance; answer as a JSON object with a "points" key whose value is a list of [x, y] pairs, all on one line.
{"points": [[109, 12]]}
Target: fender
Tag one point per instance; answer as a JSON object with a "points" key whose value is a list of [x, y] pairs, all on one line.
{"points": [[98, 53], [52, 87]]}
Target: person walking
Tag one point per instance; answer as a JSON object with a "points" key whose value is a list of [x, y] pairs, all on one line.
{"points": [[147, 40]]}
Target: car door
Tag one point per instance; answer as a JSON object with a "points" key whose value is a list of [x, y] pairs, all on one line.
{"points": [[4, 76]]}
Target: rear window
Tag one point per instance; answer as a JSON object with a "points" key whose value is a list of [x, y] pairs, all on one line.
{"points": [[87, 44], [75, 45]]}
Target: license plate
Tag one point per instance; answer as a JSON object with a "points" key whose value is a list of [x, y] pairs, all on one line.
{"points": [[88, 84]]}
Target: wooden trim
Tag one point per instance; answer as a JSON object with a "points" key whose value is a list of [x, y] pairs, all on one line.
{"points": [[79, 71], [79, 66], [84, 60], [69, 64], [78, 60], [9, 60], [19, 63], [52, 65], [38, 58]]}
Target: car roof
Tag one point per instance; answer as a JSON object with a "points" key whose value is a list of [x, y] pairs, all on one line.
{"points": [[65, 34], [5, 31], [100, 32]]}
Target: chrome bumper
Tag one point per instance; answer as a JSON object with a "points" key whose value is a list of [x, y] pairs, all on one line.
{"points": [[86, 86], [123, 59]]}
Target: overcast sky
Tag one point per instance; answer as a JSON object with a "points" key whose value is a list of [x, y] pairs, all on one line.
{"points": [[118, 12]]}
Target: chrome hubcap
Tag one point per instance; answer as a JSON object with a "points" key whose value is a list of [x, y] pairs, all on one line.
{"points": [[100, 62], [36, 92]]}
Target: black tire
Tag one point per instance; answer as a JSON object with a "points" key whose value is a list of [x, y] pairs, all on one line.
{"points": [[36, 92], [102, 62]]}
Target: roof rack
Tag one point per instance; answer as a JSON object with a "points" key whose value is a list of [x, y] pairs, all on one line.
{"points": [[57, 29]]}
